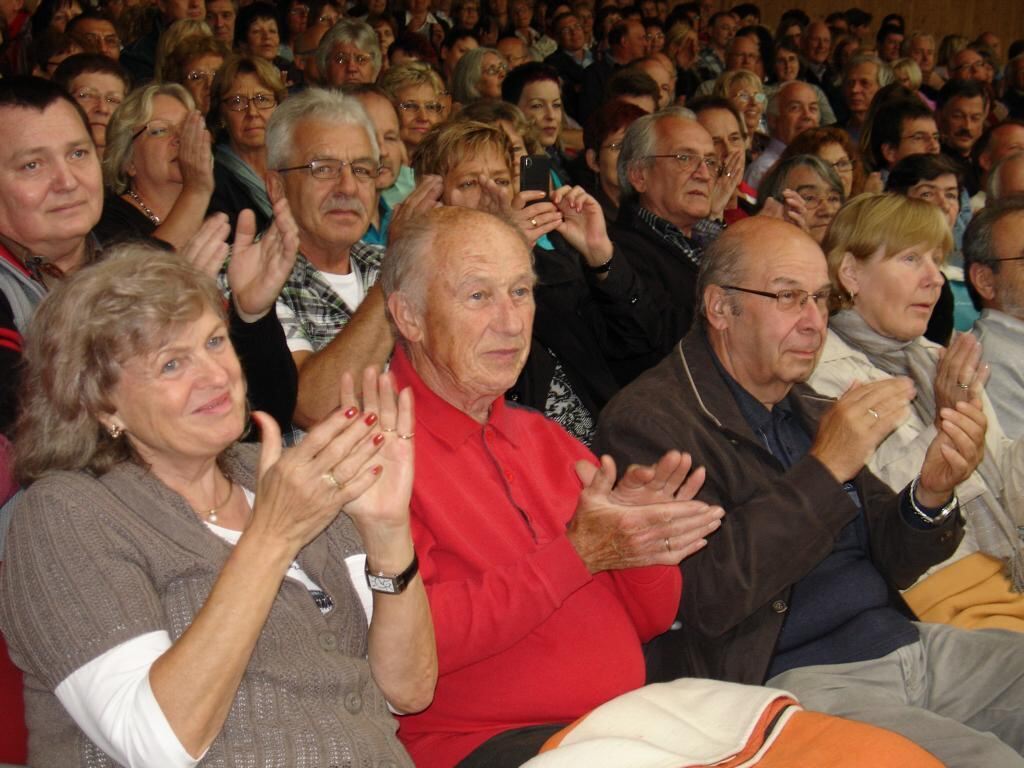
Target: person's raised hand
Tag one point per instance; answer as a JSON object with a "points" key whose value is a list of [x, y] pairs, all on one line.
{"points": [[258, 269], [207, 249], [609, 534], [955, 452], [534, 216], [583, 225], [960, 373], [195, 154], [853, 428], [301, 490]]}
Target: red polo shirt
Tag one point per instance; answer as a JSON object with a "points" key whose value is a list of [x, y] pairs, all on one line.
{"points": [[525, 634]]}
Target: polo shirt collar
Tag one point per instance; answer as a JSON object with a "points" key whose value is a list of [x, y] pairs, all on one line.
{"points": [[442, 419]]}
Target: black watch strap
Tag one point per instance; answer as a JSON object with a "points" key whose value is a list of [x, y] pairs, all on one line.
{"points": [[392, 585]]}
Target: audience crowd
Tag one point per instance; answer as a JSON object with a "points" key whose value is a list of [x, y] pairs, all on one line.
{"points": [[450, 382]]}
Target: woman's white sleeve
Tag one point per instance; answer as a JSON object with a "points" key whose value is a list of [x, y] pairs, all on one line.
{"points": [[111, 701]]}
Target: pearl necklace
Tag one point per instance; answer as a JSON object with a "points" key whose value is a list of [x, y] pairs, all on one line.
{"points": [[211, 514], [145, 208]]}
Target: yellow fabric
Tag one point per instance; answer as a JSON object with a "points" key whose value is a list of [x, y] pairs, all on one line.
{"points": [[972, 593]]}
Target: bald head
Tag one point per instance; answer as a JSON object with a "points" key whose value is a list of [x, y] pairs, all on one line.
{"points": [[1007, 177], [792, 110]]}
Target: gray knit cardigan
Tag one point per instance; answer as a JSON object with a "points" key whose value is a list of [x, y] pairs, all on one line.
{"points": [[92, 562]]}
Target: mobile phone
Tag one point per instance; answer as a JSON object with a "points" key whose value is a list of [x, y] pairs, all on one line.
{"points": [[535, 174]]}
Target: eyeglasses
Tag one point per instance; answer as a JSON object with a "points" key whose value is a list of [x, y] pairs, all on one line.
{"points": [[615, 146], [747, 96], [433, 107], [328, 170], [361, 59], [330, 20], [299, 10], [240, 103], [100, 41], [1005, 258], [158, 129], [844, 165], [690, 162], [200, 74], [813, 200], [91, 94], [655, 36], [494, 69], [789, 299], [921, 137]]}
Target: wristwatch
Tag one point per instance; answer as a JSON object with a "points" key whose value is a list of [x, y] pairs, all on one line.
{"points": [[392, 585], [934, 516]]}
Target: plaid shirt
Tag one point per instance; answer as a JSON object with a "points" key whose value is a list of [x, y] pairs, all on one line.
{"points": [[320, 312], [709, 65], [692, 248]]}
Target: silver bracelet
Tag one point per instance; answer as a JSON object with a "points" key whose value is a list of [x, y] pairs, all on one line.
{"points": [[938, 517]]}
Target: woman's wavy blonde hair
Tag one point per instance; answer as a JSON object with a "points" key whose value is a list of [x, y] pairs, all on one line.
{"points": [[79, 339]]}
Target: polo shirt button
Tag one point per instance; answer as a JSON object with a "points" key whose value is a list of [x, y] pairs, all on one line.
{"points": [[508, 475], [328, 641], [353, 703], [779, 606]]}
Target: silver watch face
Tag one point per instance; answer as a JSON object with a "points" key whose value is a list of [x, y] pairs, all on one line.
{"points": [[382, 584]]}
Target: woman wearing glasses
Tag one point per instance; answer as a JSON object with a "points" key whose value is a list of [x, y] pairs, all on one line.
{"points": [[245, 93], [158, 168], [479, 75], [885, 254], [809, 191], [194, 64], [835, 148], [418, 94]]}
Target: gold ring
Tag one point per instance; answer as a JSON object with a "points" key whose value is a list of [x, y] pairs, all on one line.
{"points": [[668, 547], [408, 436], [329, 477], [533, 222], [874, 413], [964, 387], [387, 429]]}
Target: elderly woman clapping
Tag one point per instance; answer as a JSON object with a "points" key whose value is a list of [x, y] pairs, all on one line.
{"points": [[173, 596], [158, 167], [884, 256]]}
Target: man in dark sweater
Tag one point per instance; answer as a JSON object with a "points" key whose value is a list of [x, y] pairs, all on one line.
{"points": [[798, 586]]}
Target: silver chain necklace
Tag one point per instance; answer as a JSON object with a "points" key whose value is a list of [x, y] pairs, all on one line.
{"points": [[145, 208]]}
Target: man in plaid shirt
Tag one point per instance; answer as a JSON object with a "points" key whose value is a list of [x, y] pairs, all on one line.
{"points": [[324, 158]]}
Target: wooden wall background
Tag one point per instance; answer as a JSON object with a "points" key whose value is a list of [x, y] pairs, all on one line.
{"points": [[940, 17]]}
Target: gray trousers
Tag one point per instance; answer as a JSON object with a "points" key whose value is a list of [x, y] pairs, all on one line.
{"points": [[957, 693]]}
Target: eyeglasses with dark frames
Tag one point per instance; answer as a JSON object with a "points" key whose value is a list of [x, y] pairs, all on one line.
{"points": [[789, 299]]}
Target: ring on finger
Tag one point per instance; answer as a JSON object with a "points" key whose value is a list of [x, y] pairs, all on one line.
{"points": [[964, 387], [533, 221], [330, 478], [406, 435], [668, 546], [874, 413], [387, 429]]}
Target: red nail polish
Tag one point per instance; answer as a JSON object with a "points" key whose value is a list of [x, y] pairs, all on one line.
{"points": [[377, 470], [378, 439], [352, 411], [371, 419]]}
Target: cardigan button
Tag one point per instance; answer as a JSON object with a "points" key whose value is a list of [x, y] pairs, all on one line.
{"points": [[353, 703], [328, 641], [779, 606]]}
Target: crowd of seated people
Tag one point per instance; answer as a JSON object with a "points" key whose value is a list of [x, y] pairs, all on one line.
{"points": [[710, 326]]}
